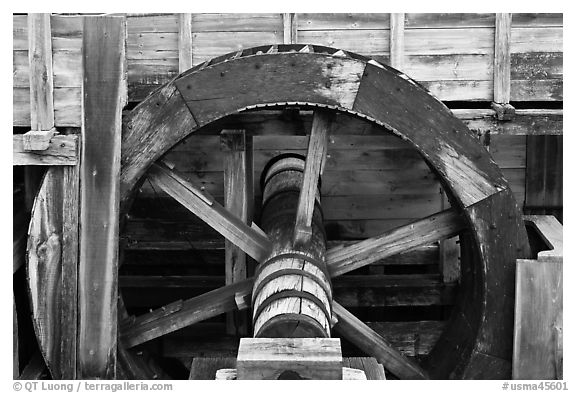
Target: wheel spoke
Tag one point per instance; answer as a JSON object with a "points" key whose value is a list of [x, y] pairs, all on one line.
{"points": [[315, 160], [439, 226], [375, 345], [203, 205], [180, 314]]}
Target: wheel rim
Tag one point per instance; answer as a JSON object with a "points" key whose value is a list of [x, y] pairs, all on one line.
{"points": [[381, 95]]}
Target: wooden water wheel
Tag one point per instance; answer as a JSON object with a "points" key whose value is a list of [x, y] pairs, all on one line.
{"points": [[477, 341]]}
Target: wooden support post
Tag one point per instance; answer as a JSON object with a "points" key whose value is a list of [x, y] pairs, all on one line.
{"points": [[289, 358], [238, 200], [185, 56], [41, 75], [104, 96], [290, 28], [397, 40], [41, 96], [502, 38]]}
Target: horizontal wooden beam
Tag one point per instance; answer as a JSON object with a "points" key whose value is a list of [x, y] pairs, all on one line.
{"points": [[203, 205], [171, 318], [61, 150], [375, 345], [428, 230]]}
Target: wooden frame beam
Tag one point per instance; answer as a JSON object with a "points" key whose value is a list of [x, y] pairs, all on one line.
{"points": [[62, 150], [250, 240], [397, 40], [180, 314], [315, 161], [238, 200], [185, 55], [428, 230], [290, 28], [104, 96], [374, 345], [502, 38]]}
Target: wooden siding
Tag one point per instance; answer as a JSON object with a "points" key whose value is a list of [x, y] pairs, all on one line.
{"points": [[450, 54]]}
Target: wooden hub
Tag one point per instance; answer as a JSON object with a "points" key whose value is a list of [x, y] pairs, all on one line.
{"points": [[292, 294]]}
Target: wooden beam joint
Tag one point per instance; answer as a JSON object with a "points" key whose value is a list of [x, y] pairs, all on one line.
{"points": [[504, 112]]}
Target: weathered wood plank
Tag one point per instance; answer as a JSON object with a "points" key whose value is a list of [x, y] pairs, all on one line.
{"points": [[238, 200], [289, 358], [236, 22], [314, 166], [545, 39], [369, 366], [62, 150], [538, 338], [502, 38], [374, 42], [104, 60], [152, 23], [397, 40], [448, 20], [373, 344], [197, 309], [434, 41], [439, 68], [185, 57], [343, 21], [437, 227], [41, 74], [207, 209]]}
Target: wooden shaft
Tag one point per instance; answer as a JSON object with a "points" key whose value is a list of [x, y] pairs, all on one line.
{"points": [[292, 294]]}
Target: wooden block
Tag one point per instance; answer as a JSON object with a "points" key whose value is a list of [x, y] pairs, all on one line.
{"points": [[289, 358], [551, 231], [61, 150], [38, 140], [504, 112], [349, 374], [538, 320]]}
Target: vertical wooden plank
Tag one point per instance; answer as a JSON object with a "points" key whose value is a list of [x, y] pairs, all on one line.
{"points": [[41, 75], [502, 38], [69, 277], [290, 28], [238, 200], [397, 40], [184, 42], [104, 95], [544, 171], [538, 321]]}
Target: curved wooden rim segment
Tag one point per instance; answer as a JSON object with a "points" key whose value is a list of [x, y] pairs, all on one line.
{"points": [[278, 76]]}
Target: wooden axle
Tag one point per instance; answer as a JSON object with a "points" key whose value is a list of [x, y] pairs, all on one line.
{"points": [[292, 294]]}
